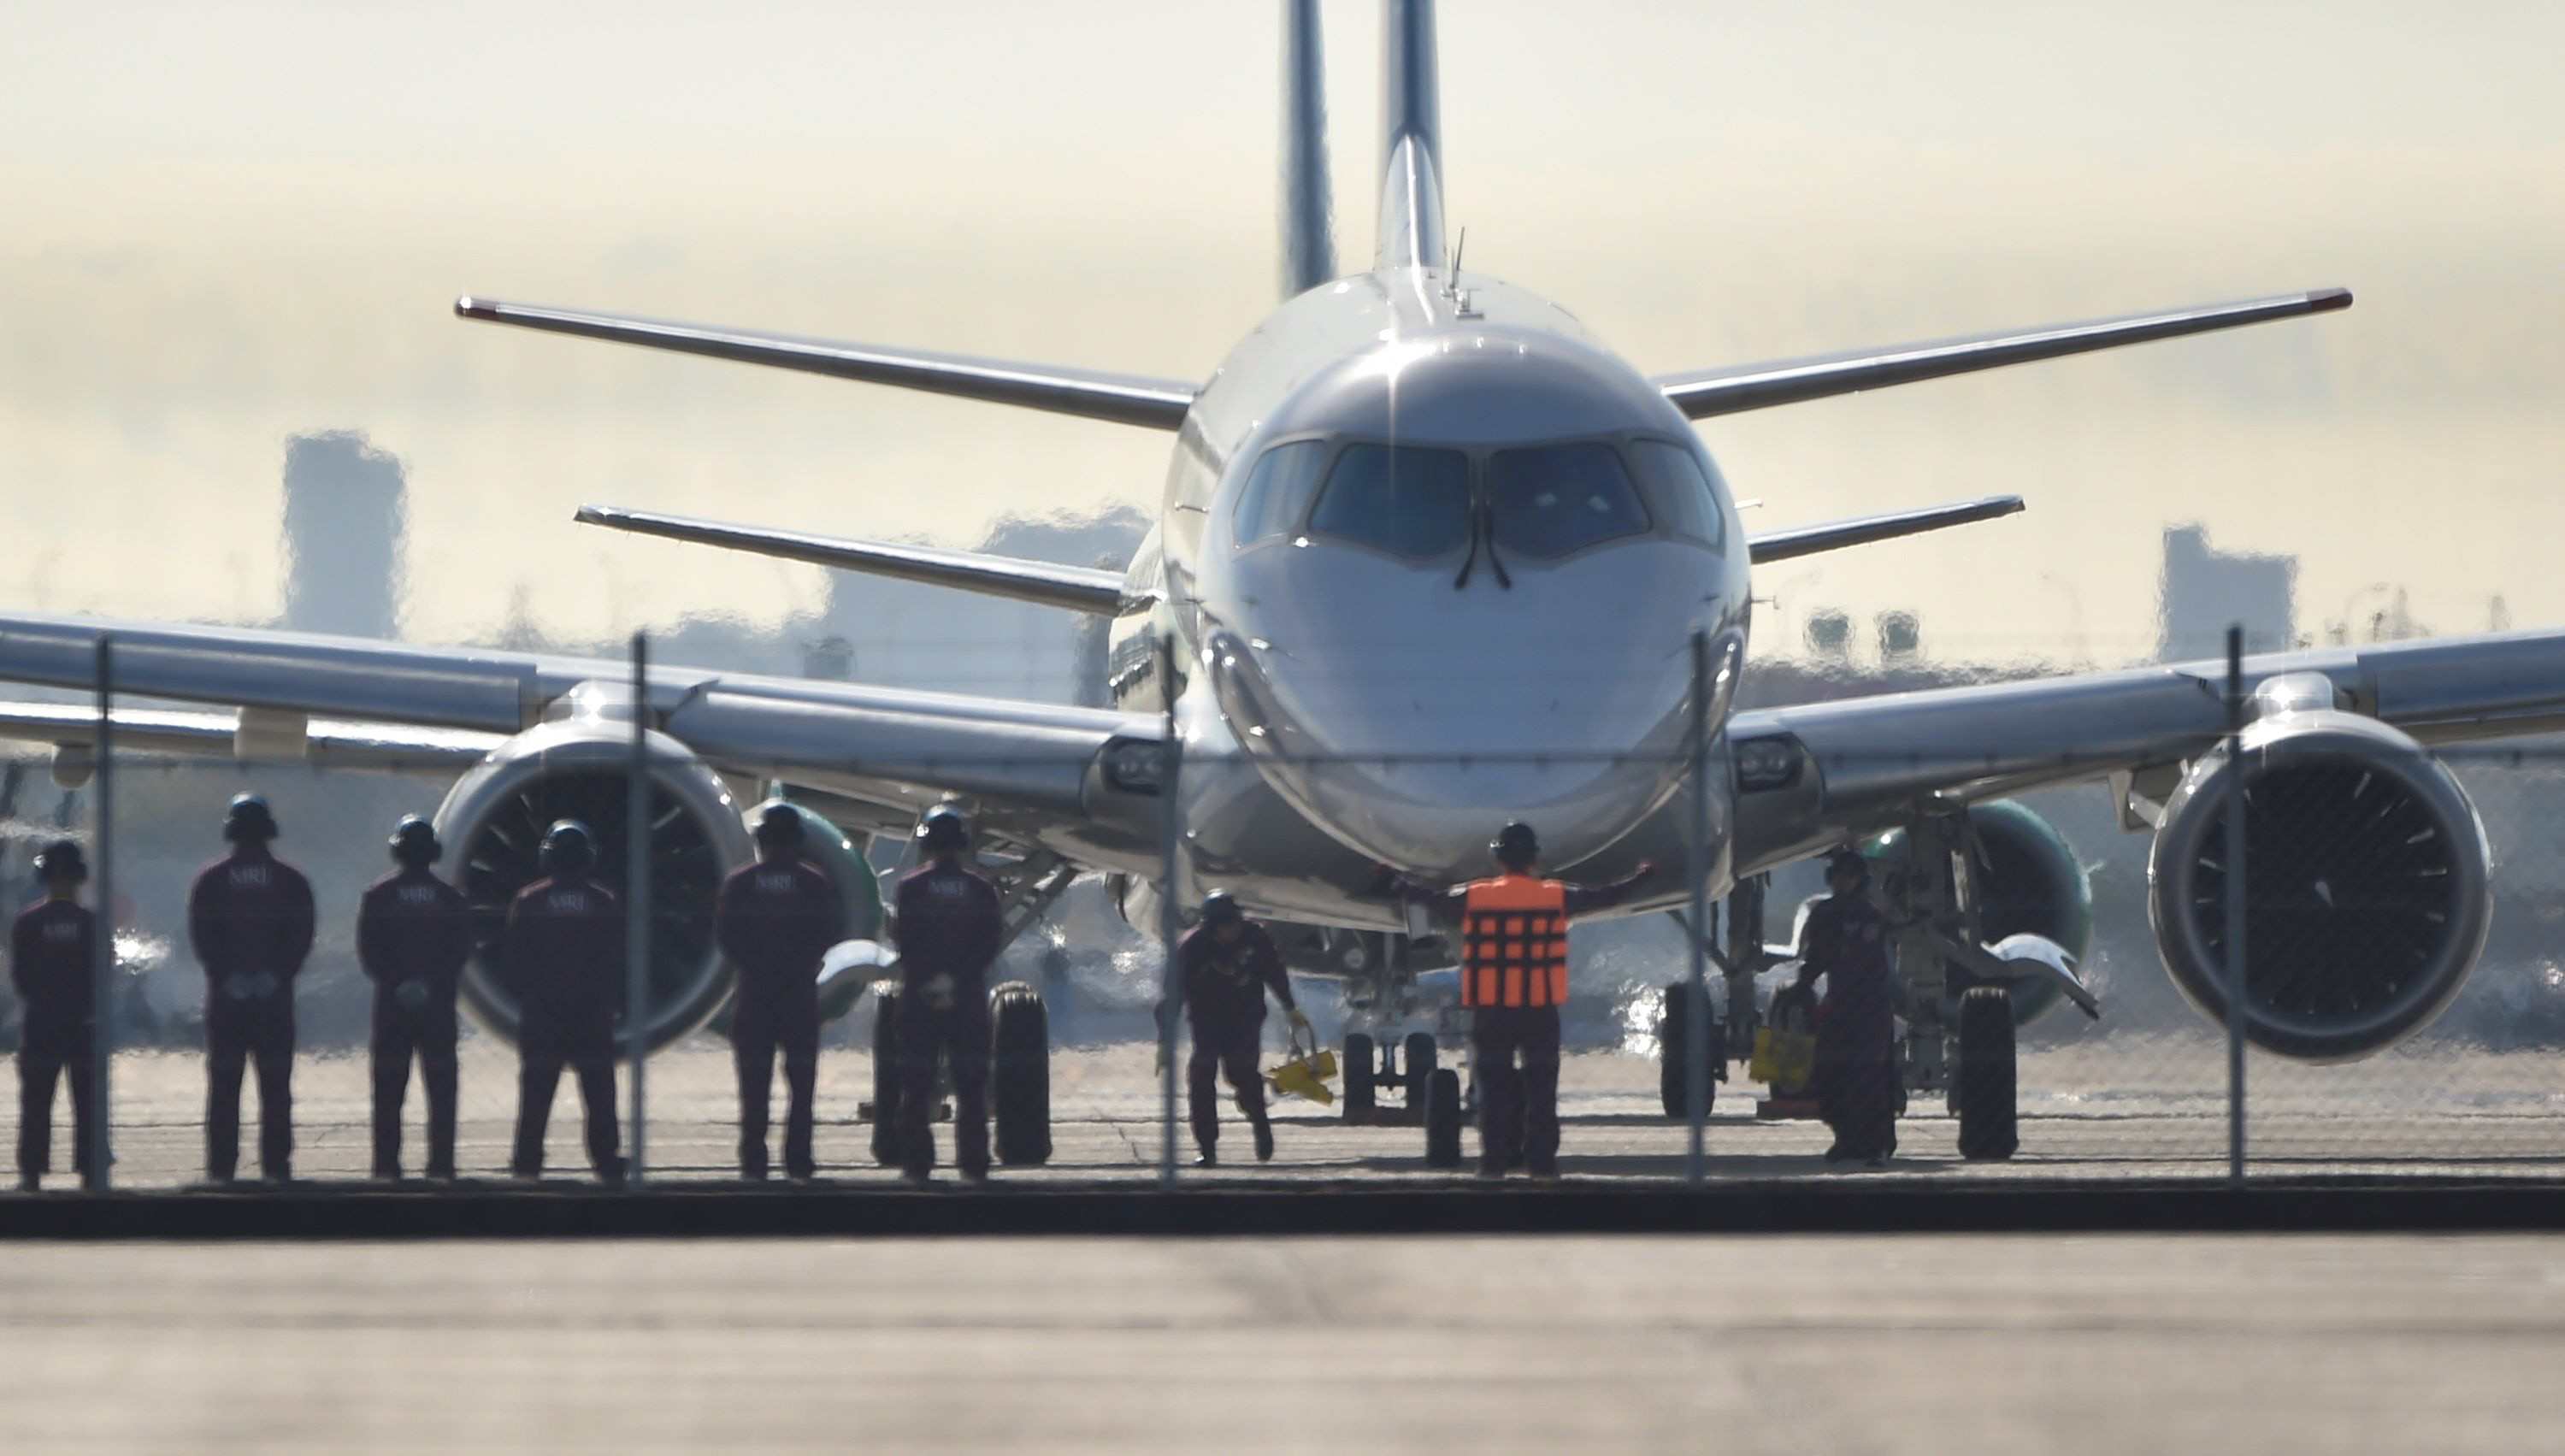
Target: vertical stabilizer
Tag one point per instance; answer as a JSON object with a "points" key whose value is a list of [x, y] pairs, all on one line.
{"points": [[1411, 192], [1308, 242]]}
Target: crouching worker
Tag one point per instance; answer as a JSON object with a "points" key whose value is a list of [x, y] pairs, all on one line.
{"points": [[566, 955], [51, 951], [413, 934], [1845, 940], [774, 921], [1229, 963]]}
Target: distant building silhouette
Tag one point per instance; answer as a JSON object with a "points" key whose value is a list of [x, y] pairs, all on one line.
{"points": [[347, 513], [2204, 590]]}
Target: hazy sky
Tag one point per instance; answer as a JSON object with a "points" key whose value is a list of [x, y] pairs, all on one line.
{"points": [[221, 225]]}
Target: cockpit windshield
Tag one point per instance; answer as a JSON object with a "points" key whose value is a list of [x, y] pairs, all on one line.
{"points": [[1550, 500], [1401, 499]]}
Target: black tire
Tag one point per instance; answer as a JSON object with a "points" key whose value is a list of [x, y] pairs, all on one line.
{"points": [[886, 1075], [1019, 1075], [1417, 1059], [1361, 1066], [1443, 1118], [1989, 1127], [1674, 1054]]}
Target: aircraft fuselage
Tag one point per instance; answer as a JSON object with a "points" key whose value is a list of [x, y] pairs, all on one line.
{"points": [[1429, 559]]}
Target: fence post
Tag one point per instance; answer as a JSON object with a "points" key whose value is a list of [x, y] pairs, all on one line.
{"points": [[101, 1030], [636, 906], [1170, 918], [1696, 979], [2236, 982]]}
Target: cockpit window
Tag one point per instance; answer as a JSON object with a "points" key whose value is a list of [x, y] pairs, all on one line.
{"points": [[1678, 491], [1400, 499], [1550, 500], [1277, 491]]}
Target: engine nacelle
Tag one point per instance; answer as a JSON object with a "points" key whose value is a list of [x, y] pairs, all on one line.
{"points": [[493, 823], [2367, 891]]}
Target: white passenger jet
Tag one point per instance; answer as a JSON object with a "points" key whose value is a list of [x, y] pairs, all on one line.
{"points": [[1432, 558]]}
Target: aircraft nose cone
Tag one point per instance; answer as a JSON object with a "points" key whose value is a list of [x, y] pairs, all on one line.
{"points": [[1414, 742]]}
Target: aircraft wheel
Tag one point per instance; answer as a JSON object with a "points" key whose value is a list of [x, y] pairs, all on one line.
{"points": [[1443, 1118], [1674, 1054], [1988, 1116], [1361, 1066], [1418, 1057], [886, 1075], [1019, 1075]]}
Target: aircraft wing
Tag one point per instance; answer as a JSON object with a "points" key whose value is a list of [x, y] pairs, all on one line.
{"points": [[1122, 399], [1076, 778], [1817, 774], [1789, 381]]}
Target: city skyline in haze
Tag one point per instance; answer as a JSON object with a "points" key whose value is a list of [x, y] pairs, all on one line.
{"points": [[230, 231]]}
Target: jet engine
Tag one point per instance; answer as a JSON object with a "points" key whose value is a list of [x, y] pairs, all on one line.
{"points": [[493, 823], [2365, 885]]}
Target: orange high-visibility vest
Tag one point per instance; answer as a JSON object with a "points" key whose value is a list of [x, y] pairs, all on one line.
{"points": [[1513, 942]]}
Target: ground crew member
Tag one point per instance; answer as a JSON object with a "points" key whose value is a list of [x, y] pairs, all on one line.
{"points": [[949, 924], [51, 962], [249, 917], [413, 934], [775, 917], [1514, 979], [1845, 940], [1228, 963], [565, 949]]}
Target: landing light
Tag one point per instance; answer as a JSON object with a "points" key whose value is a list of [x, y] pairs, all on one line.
{"points": [[1766, 763]]}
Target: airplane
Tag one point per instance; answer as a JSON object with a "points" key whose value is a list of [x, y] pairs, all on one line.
{"points": [[1431, 558]]}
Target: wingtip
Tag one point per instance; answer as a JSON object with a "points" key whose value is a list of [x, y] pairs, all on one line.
{"points": [[468, 307], [594, 514], [2327, 300]]}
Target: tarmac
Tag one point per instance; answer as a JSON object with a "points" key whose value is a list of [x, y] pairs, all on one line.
{"points": [[1791, 1343], [1345, 1295]]}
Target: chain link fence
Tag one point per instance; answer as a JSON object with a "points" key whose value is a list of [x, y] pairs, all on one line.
{"points": [[2422, 995]]}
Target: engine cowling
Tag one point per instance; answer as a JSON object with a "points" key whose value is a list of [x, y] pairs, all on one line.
{"points": [[2367, 890], [493, 823]]}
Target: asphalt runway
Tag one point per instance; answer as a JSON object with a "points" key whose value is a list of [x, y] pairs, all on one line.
{"points": [[2153, 1112], [1793, 1344]]}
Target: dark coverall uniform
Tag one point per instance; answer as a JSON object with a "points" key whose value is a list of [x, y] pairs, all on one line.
{"points": [[1504, 1028], [250, 919], [949, 924], [774, 921], [1224, 991], [49, 950], [413, 934], [566, 954], [1846, 940]]}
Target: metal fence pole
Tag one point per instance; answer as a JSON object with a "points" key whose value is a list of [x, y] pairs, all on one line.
{"points": [[636, 906], [1170, 922], [101, 1029], [1697, 981], [2235, 983]]}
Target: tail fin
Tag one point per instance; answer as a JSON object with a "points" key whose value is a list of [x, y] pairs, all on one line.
{"points": [[1411, 193], [1309, 243]]}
